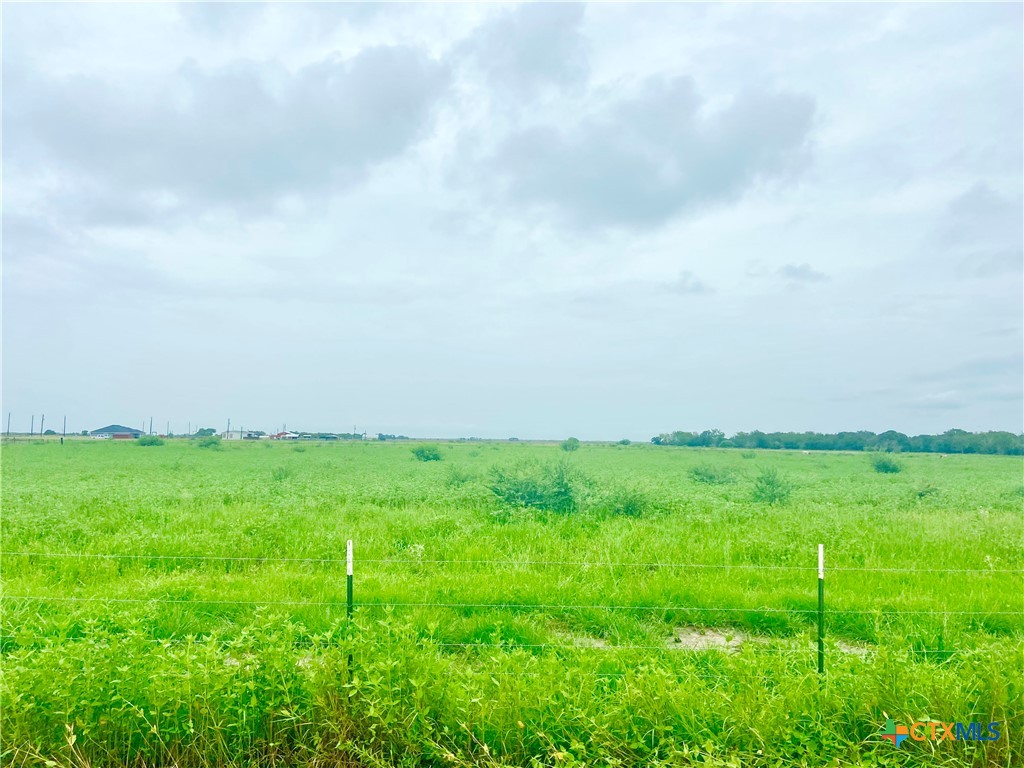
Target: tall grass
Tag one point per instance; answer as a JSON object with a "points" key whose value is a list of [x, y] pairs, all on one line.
{"points": [[243, 659]]}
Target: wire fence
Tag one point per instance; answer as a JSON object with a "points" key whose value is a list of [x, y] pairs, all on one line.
{"points": [[509, 563], [500, 606], [758, 645]]}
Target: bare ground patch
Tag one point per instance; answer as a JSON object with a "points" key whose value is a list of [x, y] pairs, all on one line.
{"points": [[731, 640], [706, 639]]}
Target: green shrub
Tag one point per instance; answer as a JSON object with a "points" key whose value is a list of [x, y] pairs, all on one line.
{"points": [[150, 440], [427, 453], [886, 465], [210, 441], [771, 487], [553, 487], [712, 475], [624, 442], [570, 444], [627, 502], [457, 476], [748, 455]]}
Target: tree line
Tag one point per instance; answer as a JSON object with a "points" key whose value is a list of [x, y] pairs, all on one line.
{"points": [[950, 441]]}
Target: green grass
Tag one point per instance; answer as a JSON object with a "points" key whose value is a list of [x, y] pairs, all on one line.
{"points": [[544, 638]]}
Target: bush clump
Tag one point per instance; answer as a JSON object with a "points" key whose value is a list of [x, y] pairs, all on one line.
{"points": [[210, 441], [627, 502], [457, 476], [553, 487], [772, 488], [711, 475], [570, 444], [886, 465], [427, 453], [150, 440]]}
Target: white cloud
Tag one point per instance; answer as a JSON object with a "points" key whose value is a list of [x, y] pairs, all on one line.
{"points": [[579, 206]]}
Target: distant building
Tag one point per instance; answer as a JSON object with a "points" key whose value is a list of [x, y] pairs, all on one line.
{"points": [[116, 432], [240, 434], [285, 436]]}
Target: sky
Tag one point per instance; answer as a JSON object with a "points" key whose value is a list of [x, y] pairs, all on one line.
{"points": [[607, 221]]}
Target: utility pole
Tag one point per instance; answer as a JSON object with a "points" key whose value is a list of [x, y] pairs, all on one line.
{"points": [[42, 421], [8, 424], [168, 428], [32, 429], [151, 425], [229, 429], [64, 431]]}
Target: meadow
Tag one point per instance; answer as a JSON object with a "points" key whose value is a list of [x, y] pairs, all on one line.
{"points": [[514, 604]]}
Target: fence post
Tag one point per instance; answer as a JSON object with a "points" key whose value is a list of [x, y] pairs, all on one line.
{"points": [[348, 594], [821, 609], [348, 579]]}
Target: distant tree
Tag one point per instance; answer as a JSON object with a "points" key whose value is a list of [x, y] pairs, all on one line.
{"points": [[624, 442], [951, 441], [207, 432], [49, 432], [149, 440], [892, 442], [711, 437], [570, 444]]}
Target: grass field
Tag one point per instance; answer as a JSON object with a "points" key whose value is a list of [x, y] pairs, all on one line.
{"points": [[660, 615]]}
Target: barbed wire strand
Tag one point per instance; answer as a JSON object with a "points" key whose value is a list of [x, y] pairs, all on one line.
{"points": [[669, 646], [510, 563], [508, 606]]}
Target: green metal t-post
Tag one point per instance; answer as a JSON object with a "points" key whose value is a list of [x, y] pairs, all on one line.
{"points": [[821, 609], [348, 595], [348, 579]]}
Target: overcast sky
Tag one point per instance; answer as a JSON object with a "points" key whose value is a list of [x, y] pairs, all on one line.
{"points": [[533, 220]]}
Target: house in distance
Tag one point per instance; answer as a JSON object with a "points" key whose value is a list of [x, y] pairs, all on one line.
{"points": [[116, 432]]}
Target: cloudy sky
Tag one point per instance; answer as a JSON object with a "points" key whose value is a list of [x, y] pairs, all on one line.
{"points": [[534, 220]]}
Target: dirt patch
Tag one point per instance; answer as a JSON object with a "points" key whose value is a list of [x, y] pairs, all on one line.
{"points": [[706, 639], [856, 649], [581, 641]]}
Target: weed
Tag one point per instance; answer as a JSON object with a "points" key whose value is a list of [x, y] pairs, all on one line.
{"points": [[627, 502], [553, 487], [457, 476], [427, 453], [712, 475], [886, 465], [771, 487]]}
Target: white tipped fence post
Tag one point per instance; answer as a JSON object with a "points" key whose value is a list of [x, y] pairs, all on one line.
{"points": [[348, 579], [348, 594], [821, 609]]}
